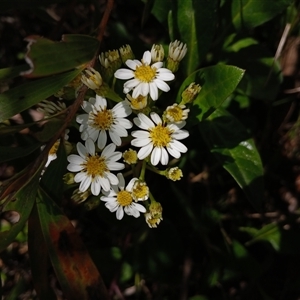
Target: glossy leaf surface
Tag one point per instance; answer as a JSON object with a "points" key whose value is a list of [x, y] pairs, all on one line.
{"points": [[76, 272], [28, 94], [217, 83], [232, 146]]}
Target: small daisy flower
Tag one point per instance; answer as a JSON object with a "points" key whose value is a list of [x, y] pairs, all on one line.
{"points": [[157, 53], [94, 170], [130, 157], [177, 51], [126, 53], [140, 191], [50, 108], [52, 153], [174, 173], [147, 79], [79, 197], [158, 139], [138, 103], [99, 119], [92, 79], [176, 113], [190, 93], [154, 215], [120, 199]]}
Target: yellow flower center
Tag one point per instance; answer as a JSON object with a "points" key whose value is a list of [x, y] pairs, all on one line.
{"points": [[175, 113], [160, 136], [130, 156], [95, 165], [102, 120], [145, 73], [54, 148], [139, 103], [124, 198], [140, 191]]}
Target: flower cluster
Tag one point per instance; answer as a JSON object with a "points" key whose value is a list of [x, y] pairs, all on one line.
{"points": [[148, 138]]}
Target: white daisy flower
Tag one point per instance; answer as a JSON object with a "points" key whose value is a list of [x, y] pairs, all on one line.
{"points": [[120, 199], [158, 138], [94, 170], [147, 79], [100, 119]]}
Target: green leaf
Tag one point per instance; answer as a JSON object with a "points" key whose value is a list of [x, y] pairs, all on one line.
{"points": [[263, 75], [39, 260], [232, 146], [217, 82], [270, 233], [10, 153], [47, 57], [75, 271], [252, 13], [9, 73], [161, 9], [23, 204], [195, 22], [26, 95]]}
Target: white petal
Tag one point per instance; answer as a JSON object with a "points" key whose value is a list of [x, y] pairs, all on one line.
{"points": [[156, 118], [74, 168], [108, 150], [153, 91], [158, 65], [95, 187], [173, 152], [105, 183], [124, 123], [131, 83], [140, 142], [180, 134], [139, 207], [132, 64], [75, 159], [147, 58], [118, 130], [140, 134], [80, 176], [161, 85], [155, 156], [82, 118], [165, 74], [124, 74], [130, 184], [90, 146], [120, 213], [144, 119], [113, 179], [145, 151], [84, 185], [164, 157], [101, 102], [82, 151], [115, 138], [121, 181], [115, 166], [178, 146], [102, 139]]}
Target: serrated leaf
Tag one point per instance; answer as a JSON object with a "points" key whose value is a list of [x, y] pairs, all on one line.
{"points": [[23, 204], [10, 153], [252, 13], [195, 21], [47, 57], [217, 83], [12, 72], [75, 271], [230, 143], [270, 233], [26, 95]]}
